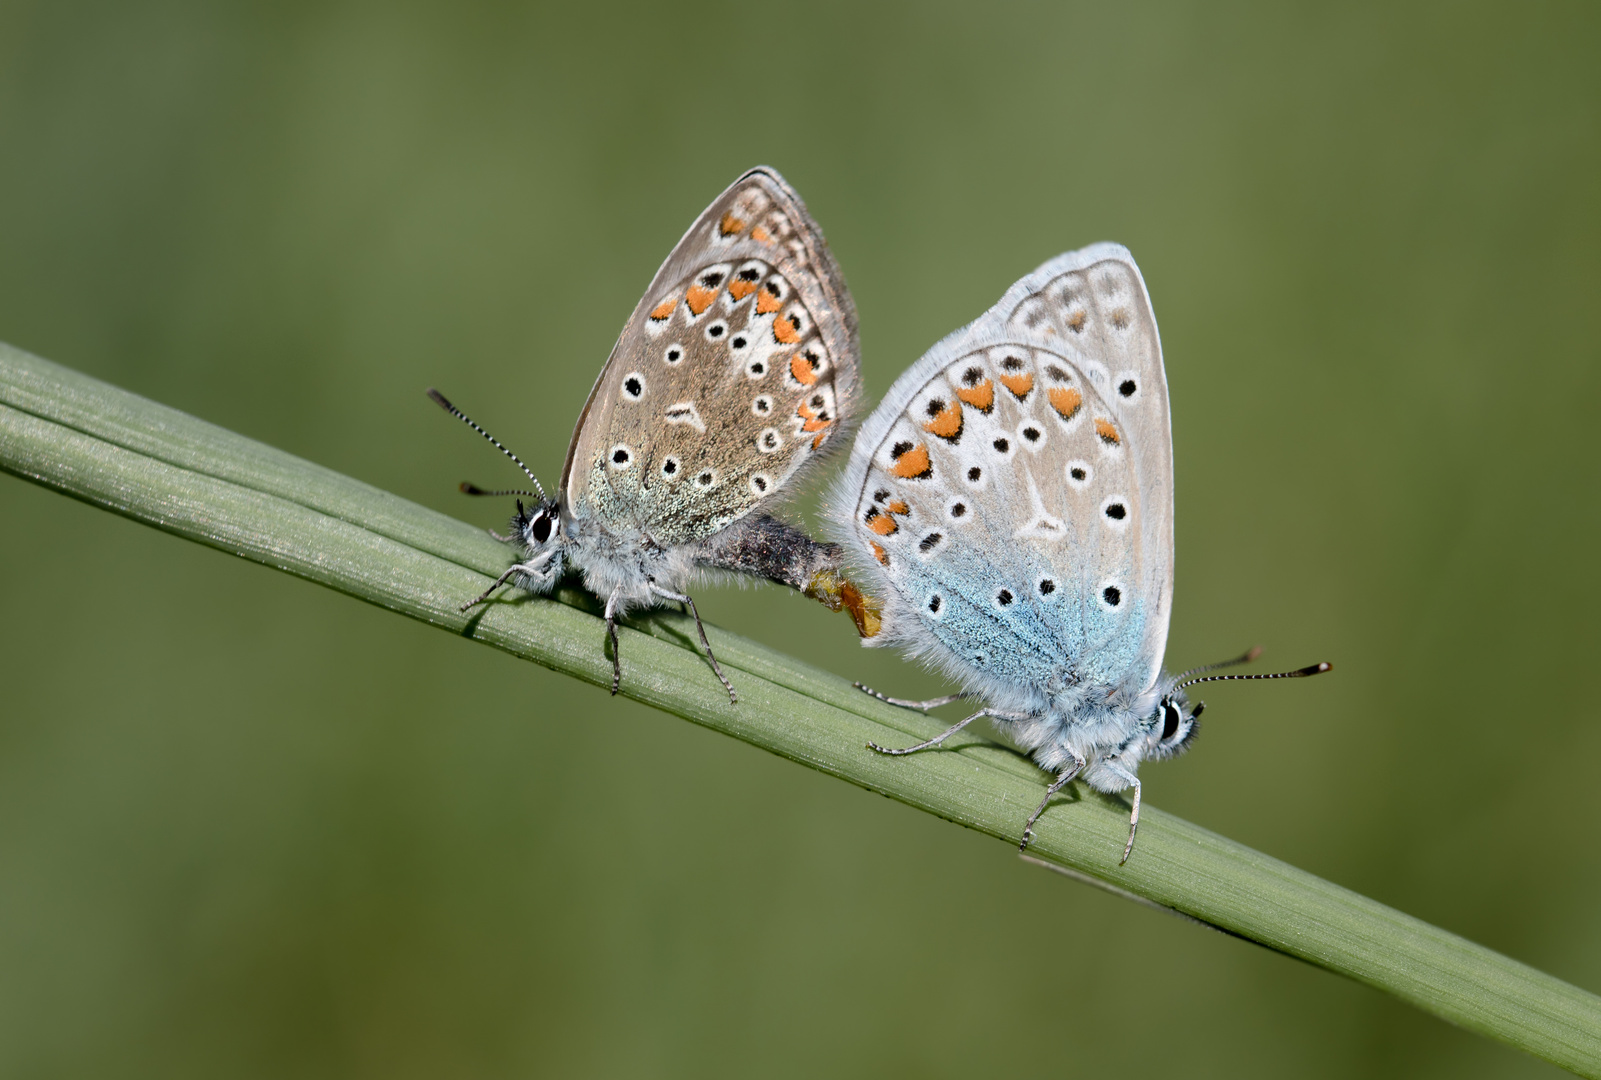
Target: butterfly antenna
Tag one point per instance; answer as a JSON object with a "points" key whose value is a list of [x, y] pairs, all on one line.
{"points": [[439, 399], [1299, 673], [474, 489], [1246, 658]]}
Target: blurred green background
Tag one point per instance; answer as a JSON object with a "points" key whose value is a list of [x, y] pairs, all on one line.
{"points": [[252, 828]]}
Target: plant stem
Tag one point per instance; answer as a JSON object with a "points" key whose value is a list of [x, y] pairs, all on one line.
{"points": [[145, 461]]}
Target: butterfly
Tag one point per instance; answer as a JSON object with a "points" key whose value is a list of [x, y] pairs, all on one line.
{"points": [[737, 371], [1011, 503]]}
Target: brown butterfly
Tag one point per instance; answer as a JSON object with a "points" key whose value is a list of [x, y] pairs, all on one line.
{"points": [[737, 372]]}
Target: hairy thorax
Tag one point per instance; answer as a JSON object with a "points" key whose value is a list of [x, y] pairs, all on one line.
{"points": [[625, 563]]}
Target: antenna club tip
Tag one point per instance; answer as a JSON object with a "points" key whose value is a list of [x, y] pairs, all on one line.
{"points": [[439, 399], [1254, 652], [1318, 669], [466, 488]]}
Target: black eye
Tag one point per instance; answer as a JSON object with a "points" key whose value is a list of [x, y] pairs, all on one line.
{"points": [[1170, 720], [541, 528]]}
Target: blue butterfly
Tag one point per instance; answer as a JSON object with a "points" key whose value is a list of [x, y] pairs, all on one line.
{"points": [[1011, 503]]}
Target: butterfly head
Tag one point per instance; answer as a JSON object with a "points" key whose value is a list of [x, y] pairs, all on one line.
{"points": [[1174, 725], [540, 530]]}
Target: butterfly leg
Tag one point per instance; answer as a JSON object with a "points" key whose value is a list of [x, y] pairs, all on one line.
{"points": [[611, 633], [501, 580], [1058, 784], [683, 598], [1134, 815], [947, 733], [907, 703]]}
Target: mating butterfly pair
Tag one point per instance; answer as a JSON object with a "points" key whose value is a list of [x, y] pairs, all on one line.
{"points": [[1009, 504]]}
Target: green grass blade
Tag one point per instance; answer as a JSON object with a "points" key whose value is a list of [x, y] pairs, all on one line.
{"points": [[156, 465]]}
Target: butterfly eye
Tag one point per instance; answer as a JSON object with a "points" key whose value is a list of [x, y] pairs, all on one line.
{"points": [[541, 528], [1170, 720]]}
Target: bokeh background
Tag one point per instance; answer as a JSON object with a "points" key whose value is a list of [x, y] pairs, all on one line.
{"points": [[253, 828]]}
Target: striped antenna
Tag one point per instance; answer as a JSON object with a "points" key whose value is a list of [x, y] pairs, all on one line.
{"points": [[474, 489], [439, 399], [1244, 658], [1299, 673]]}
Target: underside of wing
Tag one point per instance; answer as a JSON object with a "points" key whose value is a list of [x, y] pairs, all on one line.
{"points": [[738, 369], [1016, 503]]}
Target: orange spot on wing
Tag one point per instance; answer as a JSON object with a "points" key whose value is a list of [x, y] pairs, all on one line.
{"points": [[760, 233], [948, 423], [699, 298], [731, 225], [1066, 400], [786, 329], [664, 309], [813, 421], [1076, 322], [1019, 385], [740, 289], [878, 552], [899, 507], [802, 369], [1106, 431], [821, 435], [882, 524], [981, 397], [767, 301], [912, 465]]}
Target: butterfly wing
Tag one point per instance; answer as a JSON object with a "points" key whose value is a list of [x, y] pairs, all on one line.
{"points": [[736, 370], [1012, 496]]}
